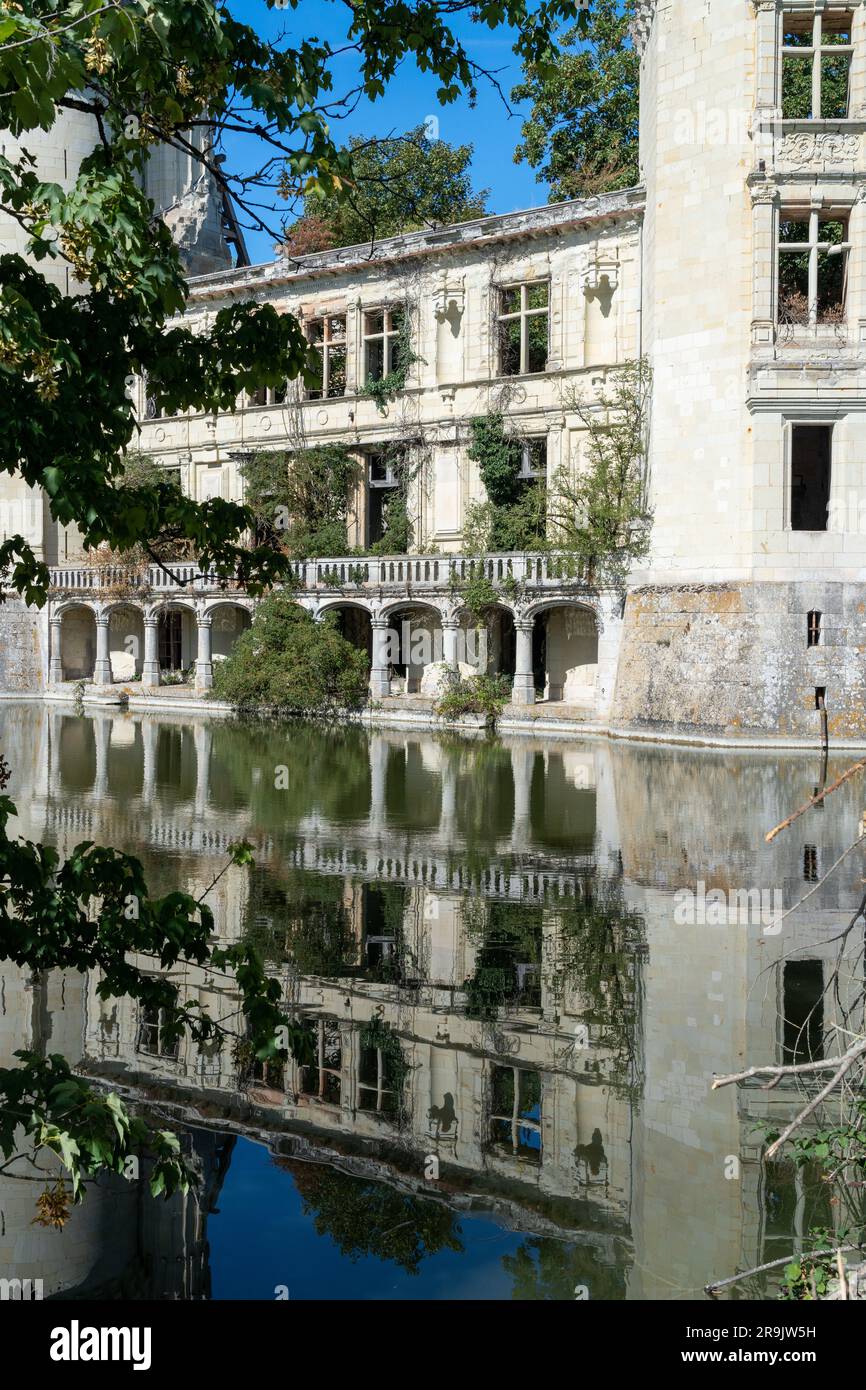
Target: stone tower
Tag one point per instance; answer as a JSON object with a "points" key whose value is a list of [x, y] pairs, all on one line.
{"points": [[753, 118]]}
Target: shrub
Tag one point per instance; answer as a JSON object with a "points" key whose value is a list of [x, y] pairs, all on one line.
{"points": [[289, 662], [487, 695]]}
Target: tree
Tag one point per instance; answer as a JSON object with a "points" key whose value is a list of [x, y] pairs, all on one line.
{"points": [[398, 185], [302, 499], [177, 74], [288, 661], [582, 132], [600, 514]]}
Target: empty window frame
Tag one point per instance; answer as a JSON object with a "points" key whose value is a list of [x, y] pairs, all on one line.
{"points": [[151, 1034], [522, 323], [812, 268], [379, 1080], [327, 337], [383, 331], [268, 395], [802, 1011], [515, 1112], [323, 1078], [813, 628], [533, 459], [383, 485], [816, 64], [811, 463]]}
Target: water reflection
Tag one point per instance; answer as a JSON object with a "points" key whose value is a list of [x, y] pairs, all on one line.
{"points": [[511, 1038]]}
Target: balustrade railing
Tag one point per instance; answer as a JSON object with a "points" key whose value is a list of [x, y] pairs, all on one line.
{"points": [[403, 572]]}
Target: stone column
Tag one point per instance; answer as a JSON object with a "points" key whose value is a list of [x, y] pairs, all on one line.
{"points": [[379, 684], [203, 663], [523, 690], [150, 666], [522, 765], [202, 767], [102, 738], [379, 750], [148, 743], [102, 669], [450, 627], [55, 651]]}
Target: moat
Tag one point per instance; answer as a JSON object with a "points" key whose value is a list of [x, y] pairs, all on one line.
{"points": [[515, 1025]]}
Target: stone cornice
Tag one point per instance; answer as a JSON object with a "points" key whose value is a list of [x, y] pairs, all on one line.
{"points": [[477, 235]]}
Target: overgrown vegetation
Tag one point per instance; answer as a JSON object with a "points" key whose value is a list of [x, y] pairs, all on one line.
{"points": [[289, 662], [485, 695], [600, 512], [514, 515], [301, 500]]}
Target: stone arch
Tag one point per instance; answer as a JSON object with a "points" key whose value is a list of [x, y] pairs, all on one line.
{"points": [[77, 641], [228, 619], [414, 640], [125, 639], [489, 646], [176, 634], [355, 622], [565, 650]]}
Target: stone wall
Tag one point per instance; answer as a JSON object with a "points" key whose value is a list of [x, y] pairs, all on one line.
{"points": [[733, 659], [23, 647]]}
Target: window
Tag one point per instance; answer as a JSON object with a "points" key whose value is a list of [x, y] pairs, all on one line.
{"points": [[810, 476], [515, 1112], [802, 1011], [327, 337], [382, 331], [171, 640], [268, 395], [533, 459], [323, 1078], [813, 268], [816, 65], [813, 628], [383, 483], [523, 335], [151, 1034], [810, 863], [379, 1086]]}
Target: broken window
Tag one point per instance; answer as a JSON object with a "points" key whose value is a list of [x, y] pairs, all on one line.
{"points": [[816, 65], [523, 329], [382, 333], [813, 628], [152, 1037], [802, 1011], [383, 487], [810, 863], [813, 268], [268, 395], [533, 459], [322, 1079], [515, 1112], [379, 1081], [327, 337], [810, 476]]}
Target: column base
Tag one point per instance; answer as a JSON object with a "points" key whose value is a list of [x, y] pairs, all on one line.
{"points": [[523, 690], [55, 673], [203, 675], [380, 683], [102, 673], [150, 675]]}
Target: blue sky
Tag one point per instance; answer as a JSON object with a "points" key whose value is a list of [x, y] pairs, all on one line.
{"points": [[410, 99]]}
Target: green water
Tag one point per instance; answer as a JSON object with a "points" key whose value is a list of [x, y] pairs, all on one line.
{"points": [[514, 1028]]}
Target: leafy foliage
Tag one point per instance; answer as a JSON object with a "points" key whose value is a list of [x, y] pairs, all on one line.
{"points": [[397, 185], [514, 516], [582, 132], [487, 695], [601, 514], [287, 661], [302, 499]]}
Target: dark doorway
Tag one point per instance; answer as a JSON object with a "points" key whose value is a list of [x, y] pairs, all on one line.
{"points": [[170, 641]]}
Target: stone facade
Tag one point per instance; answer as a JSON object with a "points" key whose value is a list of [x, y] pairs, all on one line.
{"points": [[750, 598]]}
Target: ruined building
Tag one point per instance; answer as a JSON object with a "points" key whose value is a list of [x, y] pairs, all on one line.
{"points": [[737, 267]]}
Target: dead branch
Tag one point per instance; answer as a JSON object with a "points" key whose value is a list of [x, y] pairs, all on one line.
{"points": [[712, 1289], [813, 801]]}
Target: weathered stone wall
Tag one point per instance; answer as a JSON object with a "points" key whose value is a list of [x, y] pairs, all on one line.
{"points": [[733, 659], [23, 647]]}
